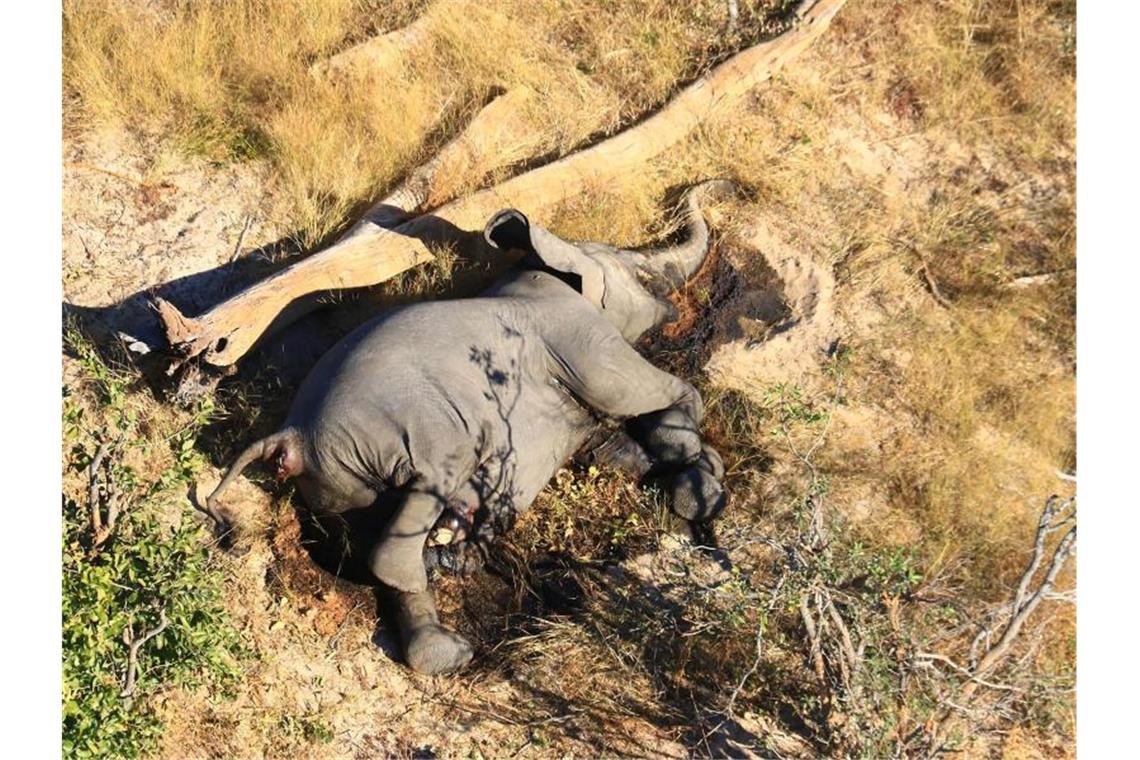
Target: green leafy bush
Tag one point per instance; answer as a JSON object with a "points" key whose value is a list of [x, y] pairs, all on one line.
{"points": [[154, 564], [121, 590]]}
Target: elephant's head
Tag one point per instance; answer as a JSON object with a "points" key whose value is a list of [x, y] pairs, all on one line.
{"points": [[627, 287]]}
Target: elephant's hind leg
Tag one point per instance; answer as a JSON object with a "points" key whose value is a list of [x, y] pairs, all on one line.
{"points": [[429, 648], [662, 411]]}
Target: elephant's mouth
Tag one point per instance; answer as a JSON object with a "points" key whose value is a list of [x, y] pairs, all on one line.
{"points": [[453, 526]]}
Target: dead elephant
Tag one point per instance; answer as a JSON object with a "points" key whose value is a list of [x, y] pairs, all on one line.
{"points": [[457, 413]]}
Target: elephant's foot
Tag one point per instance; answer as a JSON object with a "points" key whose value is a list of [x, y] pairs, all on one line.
{"points": [[428, 647], [432, 650], [697, 493]]}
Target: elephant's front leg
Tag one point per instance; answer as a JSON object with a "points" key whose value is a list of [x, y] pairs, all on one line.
{"points": [[692, 468], [666, 446], [662, 411], [397, 558], [615, 449], [429, 648]]}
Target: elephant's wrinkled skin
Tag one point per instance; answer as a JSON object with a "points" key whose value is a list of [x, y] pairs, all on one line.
{"points": [[470, 406]]}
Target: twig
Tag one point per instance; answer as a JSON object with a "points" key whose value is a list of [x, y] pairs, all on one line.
{"points": [[844, 637], [729, 709], [241, 238], [1044, 528], [813, 638], [931, 285], [102, 492], [933, 656], [1055, 516], [93, 501], [1061, 555], [108, 172], [1028, 281], [733, 15], [135, 645]]}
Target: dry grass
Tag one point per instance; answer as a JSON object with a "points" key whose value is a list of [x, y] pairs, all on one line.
{"points": [[924, 151], [232, 80]]}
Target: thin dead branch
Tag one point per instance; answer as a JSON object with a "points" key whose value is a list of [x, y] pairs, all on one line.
{"points": [[928, 278], [241, 239], [935, 657], [995, 641], [103, 494], [1032, 280], [135, 644], [848, 649]]}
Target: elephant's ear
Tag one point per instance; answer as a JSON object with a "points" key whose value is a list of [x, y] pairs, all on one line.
{"points": [[510, 229]]}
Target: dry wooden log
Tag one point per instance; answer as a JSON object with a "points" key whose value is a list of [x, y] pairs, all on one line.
{"points": [[378, 54], [226, 332], [494, 139]]}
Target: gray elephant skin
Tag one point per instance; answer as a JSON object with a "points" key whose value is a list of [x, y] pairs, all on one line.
{"points": [[447, 418]]}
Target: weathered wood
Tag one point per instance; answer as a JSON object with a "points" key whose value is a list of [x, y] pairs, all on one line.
{"points": [[226, 332], [494, 139], [377, 55]]}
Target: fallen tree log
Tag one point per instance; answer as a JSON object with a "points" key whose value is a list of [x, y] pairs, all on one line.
{"points": [[373, 254], [378, 54], [494, 139]]}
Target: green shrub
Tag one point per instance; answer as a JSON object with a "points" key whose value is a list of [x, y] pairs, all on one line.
{"points": [[143, 570], [154, 563]]}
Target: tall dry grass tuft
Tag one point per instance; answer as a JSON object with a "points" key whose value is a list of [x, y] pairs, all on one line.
{"points": [[202, 72], [995, 72]]}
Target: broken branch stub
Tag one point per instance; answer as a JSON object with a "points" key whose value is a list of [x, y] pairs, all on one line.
{"points": [[222, 335]]}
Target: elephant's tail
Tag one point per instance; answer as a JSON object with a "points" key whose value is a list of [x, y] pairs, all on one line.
{"points": [[284, 446], [678, 263]]}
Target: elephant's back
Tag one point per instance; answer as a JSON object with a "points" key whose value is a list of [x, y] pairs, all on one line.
{"points": [[421, 389], [405, 348]]}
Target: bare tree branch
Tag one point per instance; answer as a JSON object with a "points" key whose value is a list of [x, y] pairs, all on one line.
{"points": [[1057, 515], [964, 671], [1061, 554], [136, 644], [94, 502], [813, 638], [103, 493]]}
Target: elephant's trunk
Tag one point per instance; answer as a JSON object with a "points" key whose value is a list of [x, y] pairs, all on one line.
{"points": [[673, 266]]}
